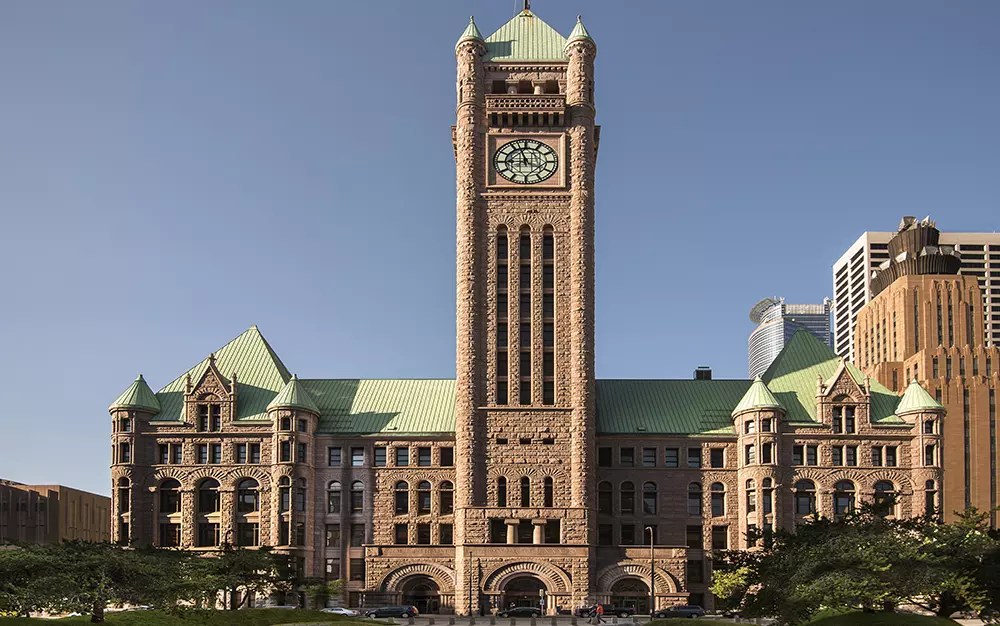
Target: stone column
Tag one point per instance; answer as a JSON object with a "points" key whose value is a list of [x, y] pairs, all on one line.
{"points": [[537, 531], [512, 525]]}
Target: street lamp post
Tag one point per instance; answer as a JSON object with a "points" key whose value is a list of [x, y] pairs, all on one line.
{"points": [[652, 573]]}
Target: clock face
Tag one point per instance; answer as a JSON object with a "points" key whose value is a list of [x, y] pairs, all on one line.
{"points": [[525, 161]]}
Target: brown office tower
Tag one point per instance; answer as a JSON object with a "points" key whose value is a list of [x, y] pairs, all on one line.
{"points": [[925, 322]]}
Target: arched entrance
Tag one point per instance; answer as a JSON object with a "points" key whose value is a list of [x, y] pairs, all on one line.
{"points": [[422, 592], [631, 593], [524, 590]]}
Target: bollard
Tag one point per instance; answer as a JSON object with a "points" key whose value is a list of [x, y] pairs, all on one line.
{"points": [[472, 620], [572, 621], [409, 620], [430, 621], [493, 620], [533, 623], [451, 621], [553, 620], [635, 620], [614, 620]]}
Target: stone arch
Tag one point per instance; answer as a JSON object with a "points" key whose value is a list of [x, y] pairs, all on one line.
{"points": [[169, 472], [555, 579], [444, 577], [191, 480], [610, 575], [898, 479], [234, 478]]}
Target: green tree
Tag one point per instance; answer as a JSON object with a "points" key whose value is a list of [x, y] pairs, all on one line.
{"points": [[234, 569], [319, 591]]}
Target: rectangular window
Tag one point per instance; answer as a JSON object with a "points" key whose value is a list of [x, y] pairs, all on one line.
{"points": [[424, 534], [838, 419], [649, 457], [446, 534], [358, 570], [605, 534], [670, 457], [255, 453], [286, 452], [766, 452], [423, 457], [247, 534], [604, 456], [717, 457], [929, 454], [333, 456], [357, 457], [241, 453], [357, 535], [301, 453], [333, 535], [548, 389], [201, 451], [176, 453], [749, 427], [797, 455], [890, 456], [749, 456], [849, 419], [628, 535], [718, 504], [838, 455], [695, 571], [877, 456], [929, 427], [553, 531], [720, 537], [402, 457], [333, 569], [498, 531], [765, 425], [447, 457], [852, 455], [626, 457], [695, 539], [163, 453], [379, 456], [216, 417], [812, 455], [694, 457]]}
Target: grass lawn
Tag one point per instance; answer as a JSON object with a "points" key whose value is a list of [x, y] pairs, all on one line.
{"points": [[248, 617], [880, 619]]}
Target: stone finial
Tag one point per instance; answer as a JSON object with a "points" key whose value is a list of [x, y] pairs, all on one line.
{"points": [[187, 383]]}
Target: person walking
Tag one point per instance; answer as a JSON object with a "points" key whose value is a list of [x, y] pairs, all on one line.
{"points": [[599, 614]]}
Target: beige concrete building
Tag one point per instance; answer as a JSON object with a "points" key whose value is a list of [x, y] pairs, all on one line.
{"points": [[52, 513], [925, 321], [524, 480]]}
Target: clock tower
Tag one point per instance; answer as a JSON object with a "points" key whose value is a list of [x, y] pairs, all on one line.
{"points": [[525, 149]]}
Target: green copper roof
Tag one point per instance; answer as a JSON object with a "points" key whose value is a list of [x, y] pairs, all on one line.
{"points": [[793, 374], [678, 407], [579, 31], [391, 406], [260, 375], [526, 38], [916, 398], [293, 396], [758, 396], [471, 32], [138, 396]]}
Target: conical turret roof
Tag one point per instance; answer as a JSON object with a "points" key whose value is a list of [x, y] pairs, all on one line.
{"points": [[138, 396], [916, 398], [579, 32], [294, 396], [471, 32], [758, 396]]}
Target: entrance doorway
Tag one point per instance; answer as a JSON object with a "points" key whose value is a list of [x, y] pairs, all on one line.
{"points": [[524, 591], [631, 593], [422, 592]]}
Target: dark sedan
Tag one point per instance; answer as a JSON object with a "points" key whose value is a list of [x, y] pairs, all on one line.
{"points": [[681, 610], [393, 611], [521, 611]]}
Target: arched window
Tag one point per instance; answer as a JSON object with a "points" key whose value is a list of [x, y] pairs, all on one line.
{"points": [[402, 498], [503, 285], [885, 498], [501, 491], [767, 495], [170, 496], [930, 498], [547, 494], [805, 497], [124, 493], [718, 500], [446, 503], [628, 498], [332, 497], [423, 497], [694, 499], [649, 498], [525, 491], [208, 496], [357, 496], [843, 497], [248, 496], [751, 496], [604, 498]]}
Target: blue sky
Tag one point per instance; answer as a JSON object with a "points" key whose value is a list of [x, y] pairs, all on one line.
{"points": [[171, 173]]}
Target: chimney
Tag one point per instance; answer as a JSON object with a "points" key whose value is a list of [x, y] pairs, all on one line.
{"points": [[703, 372]]}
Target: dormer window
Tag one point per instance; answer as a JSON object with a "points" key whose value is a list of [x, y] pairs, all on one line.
{"points": [[209, 417], [843, 419]]}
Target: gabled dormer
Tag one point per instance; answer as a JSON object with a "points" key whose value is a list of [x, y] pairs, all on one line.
{"points": [[843, 400], [210, 401]]}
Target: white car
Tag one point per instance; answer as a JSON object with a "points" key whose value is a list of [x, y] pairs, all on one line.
{"points": [[339, 610]]}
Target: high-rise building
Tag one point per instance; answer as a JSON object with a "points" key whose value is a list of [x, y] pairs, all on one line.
{"points": [[852, 274], [925, 323], [525, 480], [776, 323]]}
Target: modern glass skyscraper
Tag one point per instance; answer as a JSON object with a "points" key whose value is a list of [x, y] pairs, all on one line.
{"points": [[776, 323]]}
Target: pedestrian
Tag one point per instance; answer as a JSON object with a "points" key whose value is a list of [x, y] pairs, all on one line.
{"points": [[600, 613]]}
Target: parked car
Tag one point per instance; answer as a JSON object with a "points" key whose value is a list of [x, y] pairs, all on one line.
{"points": [[521, 611], [393, 611], [339, 610], [681, 610], [609, 610]]}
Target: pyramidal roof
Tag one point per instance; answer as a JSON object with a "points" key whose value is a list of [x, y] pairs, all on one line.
{"points": [[260, 375], [758, 396], [916, 398], [792, 379], [525, 38], [294, 396], [137, 396]]}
